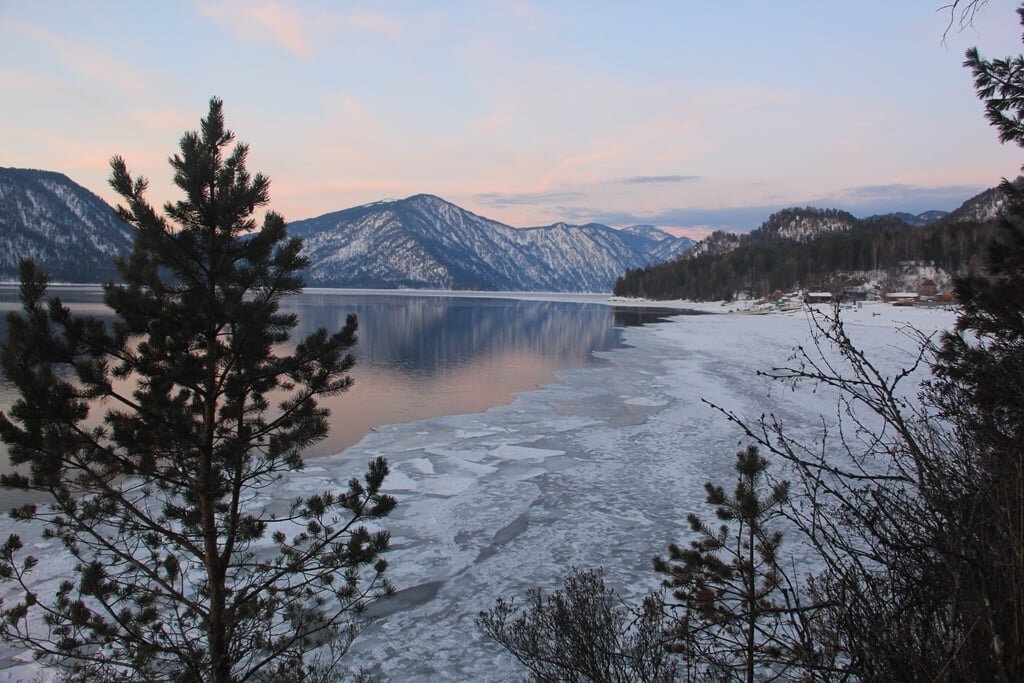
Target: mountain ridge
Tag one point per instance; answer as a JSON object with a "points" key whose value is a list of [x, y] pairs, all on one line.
{"points": [[421, 241], [823, 249], [424, 241]]}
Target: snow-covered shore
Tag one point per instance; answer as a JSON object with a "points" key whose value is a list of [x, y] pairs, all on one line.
{"points": [[598, 470]]}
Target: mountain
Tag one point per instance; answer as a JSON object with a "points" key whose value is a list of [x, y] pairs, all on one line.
{"points": [[649, 233], [982, 207], [816, 248], [659, 244], [801, 224], [718, 242], [424, 241], [806, 224], [69, 231], [929, 217], [916, 221], [797, 224], [418, 242]]}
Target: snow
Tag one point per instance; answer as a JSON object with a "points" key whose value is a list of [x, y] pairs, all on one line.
{"points": [[400, 243], [598, 470]]}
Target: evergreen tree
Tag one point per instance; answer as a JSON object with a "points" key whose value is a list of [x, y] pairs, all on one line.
{"points": [[980, 386], [183, 570], [734, 615]]}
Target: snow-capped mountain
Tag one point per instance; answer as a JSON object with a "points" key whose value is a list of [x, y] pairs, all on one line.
{"points": [[796, 224], [929, 217], [648, 232], [424, 241], [69, 231], [661, 245], [812, 247], [419, 242]]}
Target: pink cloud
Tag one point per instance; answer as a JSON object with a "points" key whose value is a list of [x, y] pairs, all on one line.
{"points": [[95, 63], [251, 21], [290, 27]]}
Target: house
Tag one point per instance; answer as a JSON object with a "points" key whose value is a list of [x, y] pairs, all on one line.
{"points": [[818, 297], [902, 298]]}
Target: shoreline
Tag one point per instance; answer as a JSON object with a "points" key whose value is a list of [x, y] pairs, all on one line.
{"points": [[373, 410], [599, 469]]}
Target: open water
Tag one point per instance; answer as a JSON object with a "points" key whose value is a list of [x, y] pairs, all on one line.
{"points": [[420, 355]]}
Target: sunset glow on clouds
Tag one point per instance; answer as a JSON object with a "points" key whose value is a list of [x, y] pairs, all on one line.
{"points": [[691, 116]]}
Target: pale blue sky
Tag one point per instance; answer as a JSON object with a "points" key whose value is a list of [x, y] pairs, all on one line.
{"points": [[687, 114]]}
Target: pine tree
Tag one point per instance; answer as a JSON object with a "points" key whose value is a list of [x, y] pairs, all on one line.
{"points": [[992, 304], [980, 387], [735, 609], [183, 570]]}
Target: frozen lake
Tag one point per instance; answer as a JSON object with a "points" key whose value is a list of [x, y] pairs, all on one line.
{"points": [[598, 468], [422, 356]]}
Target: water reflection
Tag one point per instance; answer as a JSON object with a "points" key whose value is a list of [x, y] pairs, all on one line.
{"points": [[433, 334], [420, 357]]}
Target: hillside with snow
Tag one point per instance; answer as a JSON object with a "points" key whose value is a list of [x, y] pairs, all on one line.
{"points": [[827, 250], [422, 242], [425, 242], [70, 231]]}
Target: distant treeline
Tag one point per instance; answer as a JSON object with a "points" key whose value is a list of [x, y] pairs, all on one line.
{"points": [[764, 262]]}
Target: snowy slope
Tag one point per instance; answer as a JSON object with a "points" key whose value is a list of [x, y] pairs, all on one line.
{"points": [[70, 232], [425, 242], [982, 207], [419, 242], [802, 224], [662, 245], [718, 242], [793, 224]]}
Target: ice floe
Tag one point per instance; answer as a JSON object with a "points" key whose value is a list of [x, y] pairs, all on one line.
{"points": [[598, 470]]}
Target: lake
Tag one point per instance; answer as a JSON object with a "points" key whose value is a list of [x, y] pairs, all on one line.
{"points": [[424, 355]]}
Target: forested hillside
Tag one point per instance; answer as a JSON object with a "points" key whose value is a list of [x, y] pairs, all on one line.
{"points": [[808, 248]]}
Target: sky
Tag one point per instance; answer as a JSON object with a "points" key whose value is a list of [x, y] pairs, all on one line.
{"points": [[687, 114]]}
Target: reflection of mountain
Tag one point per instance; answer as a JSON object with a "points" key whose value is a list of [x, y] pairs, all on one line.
{"points": [[426, 334], [424, 356]]}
